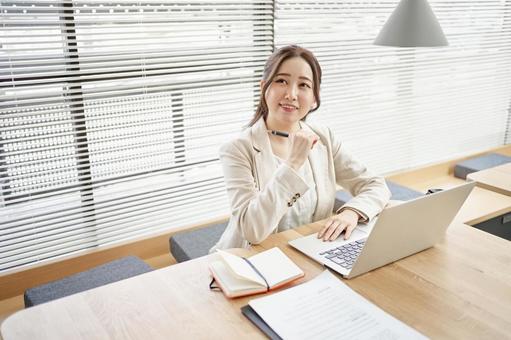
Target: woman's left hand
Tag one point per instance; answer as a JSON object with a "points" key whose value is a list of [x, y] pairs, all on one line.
{"points": [[335, 225]]}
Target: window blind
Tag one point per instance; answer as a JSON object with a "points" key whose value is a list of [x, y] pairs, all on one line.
{"points": [[397, 108], [508, 129], [112, 114]]}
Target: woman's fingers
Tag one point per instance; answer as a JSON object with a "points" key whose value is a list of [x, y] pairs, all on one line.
{"points": [[349, 230], [345, 220], [307, 137], [328, 229], [332, 230], [301, 143], [338, 231], [325, 228]]}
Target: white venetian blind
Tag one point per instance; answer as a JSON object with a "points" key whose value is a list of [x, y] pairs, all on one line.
{"points": [[111, 115], [397, 108], [508, 129]]}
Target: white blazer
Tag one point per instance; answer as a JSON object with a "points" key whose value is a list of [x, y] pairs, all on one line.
{"points": [[261, 193]]}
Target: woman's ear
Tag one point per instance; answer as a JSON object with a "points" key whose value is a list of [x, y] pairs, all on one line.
{"points": [[314, 105]]}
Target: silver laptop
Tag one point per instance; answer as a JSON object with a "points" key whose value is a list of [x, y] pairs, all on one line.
{"points": [[399, 231]]}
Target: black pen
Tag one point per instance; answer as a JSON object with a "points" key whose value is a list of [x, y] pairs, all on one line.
{"points": [[279, 133]]}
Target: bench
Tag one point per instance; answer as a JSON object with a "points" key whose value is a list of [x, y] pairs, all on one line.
{"points": [[189, 245], [98, 276], [398, 192], [462, 169]]}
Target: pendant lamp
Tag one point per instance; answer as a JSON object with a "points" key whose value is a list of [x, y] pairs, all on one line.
{"points": [[412, 24]]}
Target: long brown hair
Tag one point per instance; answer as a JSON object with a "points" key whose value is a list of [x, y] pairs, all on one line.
{"points": [[271, 67]]}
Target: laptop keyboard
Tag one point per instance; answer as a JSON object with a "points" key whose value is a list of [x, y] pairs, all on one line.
{"points": [[346, 254]]}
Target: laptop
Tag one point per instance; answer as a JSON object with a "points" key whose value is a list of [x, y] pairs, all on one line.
{"points": [[399, 231]]}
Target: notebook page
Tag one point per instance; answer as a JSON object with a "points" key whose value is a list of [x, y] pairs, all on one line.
{"points": [[240, 267], [325, 308], [233, 284], [275, 266]]}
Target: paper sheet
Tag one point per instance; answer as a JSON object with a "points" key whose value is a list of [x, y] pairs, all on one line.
{"points": [[325, 308]]}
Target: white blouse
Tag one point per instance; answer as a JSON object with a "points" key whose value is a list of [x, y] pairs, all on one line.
{"points": [[302, 211]]}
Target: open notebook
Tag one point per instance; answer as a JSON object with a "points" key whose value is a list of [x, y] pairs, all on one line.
{"points": [[238, 276]]}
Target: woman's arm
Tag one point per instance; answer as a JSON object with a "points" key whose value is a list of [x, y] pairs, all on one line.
{"points": [[257, 211], [370, 192]]}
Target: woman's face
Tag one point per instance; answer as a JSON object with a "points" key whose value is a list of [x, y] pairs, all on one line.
{"points": [[290, 96]]}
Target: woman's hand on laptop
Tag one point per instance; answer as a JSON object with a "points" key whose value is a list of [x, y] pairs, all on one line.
{"points": [[346, 221]]}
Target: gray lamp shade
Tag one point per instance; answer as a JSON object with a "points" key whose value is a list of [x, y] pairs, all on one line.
{"points": [[412, 24]]}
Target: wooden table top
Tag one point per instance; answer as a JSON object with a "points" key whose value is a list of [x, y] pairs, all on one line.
{"points": [[461, 288], [497, 179]]}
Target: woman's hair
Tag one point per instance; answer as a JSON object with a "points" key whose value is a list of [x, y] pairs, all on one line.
{"points": [[271, 67]]}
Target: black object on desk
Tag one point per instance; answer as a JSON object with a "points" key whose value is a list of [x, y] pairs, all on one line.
{"points": [[251, 314], [499, 226]]}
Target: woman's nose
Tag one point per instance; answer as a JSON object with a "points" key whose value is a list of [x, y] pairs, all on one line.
{"points": [[291, 93]]}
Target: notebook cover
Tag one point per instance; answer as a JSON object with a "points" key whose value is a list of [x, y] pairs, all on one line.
{"points": [[259, 323]]}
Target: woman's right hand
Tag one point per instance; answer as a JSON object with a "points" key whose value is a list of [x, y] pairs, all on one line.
{"points": [[301, 144]]}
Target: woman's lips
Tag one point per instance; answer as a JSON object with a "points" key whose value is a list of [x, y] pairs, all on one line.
{"points": [[288, 108]]}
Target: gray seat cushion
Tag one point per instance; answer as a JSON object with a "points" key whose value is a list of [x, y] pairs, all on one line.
{"points": [[398, 192], [196, 243], [462, 169], [110, 272]]}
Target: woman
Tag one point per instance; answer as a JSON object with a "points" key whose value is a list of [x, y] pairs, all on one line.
{"points": [[275, 182]]}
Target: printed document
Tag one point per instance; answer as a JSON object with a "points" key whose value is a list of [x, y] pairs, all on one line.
{"points": [[326, 308]]}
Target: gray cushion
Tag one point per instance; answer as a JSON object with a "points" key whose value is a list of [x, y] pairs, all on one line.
{"points": [[196, 243], [110, 272], [398, 192], [462, 169]]}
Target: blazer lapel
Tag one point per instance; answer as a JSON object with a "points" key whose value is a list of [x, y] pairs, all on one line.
{"points": [[263, 155], [318, 159]]}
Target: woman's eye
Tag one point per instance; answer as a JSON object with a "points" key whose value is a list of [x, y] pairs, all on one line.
{"points": [[305, 85]]}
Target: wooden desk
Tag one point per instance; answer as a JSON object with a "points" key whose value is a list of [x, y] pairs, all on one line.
{"points": [[497, 179], [460, 288]]}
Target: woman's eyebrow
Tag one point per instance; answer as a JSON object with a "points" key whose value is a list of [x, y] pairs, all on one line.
{"points": [[305, 78], [288, 75]]}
